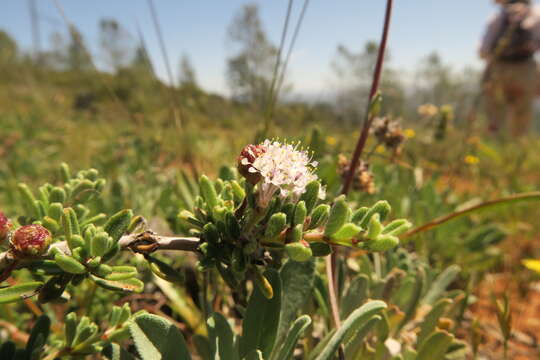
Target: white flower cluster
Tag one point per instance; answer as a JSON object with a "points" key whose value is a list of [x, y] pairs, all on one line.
{"points": [[283, 168]]}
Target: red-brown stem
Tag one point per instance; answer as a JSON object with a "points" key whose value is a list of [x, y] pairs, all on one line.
{"points": [[374, 88], [360, 145]]}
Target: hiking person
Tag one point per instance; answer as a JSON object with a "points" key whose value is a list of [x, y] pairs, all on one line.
{"points": [[511, 81]]}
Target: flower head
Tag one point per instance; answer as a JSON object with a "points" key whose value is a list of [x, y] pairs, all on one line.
{"points": [[282, 168], [30, 241], [5, 226]]}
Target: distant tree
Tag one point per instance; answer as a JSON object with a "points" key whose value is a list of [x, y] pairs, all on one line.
{"points": [[354, 73], [115, 43], [250, 69], [187, 72], [78, 57], [8, 48], [141, 63]]}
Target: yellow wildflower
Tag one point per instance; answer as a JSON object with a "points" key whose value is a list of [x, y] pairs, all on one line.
{"points": [[409, 133], [380, 149], [471, 160], [330, 140]]}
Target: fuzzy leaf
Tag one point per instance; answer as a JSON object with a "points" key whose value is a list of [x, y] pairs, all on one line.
{"points": [[128, 285], [319, 216], [18, 292], [275, 226], [311, 195], [297, 281], [113, 351], [347, 232], [221, 333], [208, 191], [118, 224], [157, 339], [297, 328], [440, 284], [261, 310], [339, 215], [38, 337], [352, 323], [435, 346]]}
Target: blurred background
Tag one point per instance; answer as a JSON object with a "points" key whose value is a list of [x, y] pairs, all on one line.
{"points": [[154, 92]]}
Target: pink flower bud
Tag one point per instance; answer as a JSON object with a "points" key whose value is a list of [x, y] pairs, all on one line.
{"points": [[245, 162], [5, 227], [30, 241]]}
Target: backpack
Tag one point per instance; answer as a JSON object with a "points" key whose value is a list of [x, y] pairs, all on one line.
{"points": [[514, 42]]}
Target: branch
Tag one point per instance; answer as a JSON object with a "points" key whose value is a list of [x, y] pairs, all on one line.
{"points": [[144, 242]]}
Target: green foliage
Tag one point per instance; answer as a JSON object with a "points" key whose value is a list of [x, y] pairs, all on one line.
{"points": [[156, 338]]}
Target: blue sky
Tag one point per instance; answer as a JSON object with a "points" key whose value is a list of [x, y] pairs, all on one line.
{"points": [[198, 28]]}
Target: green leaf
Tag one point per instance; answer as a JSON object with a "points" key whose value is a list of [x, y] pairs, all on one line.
{"points": [[164, 270], [383, 243], [347, 232], [300, 212], [69, 264], [29, 199], [339, 215], [431, 320], [275, 226], [311, 195], [261, 310], [440, 284], [128, 285], [221, 334], [297, 328], [299, 251], [319, 216], [381, 207], [208, 191], [57, 195], [374, 227], [70, 328], [320, 248], [100, 244], [157, 339], [113, 351], [38, 337], [297, 281], [18, 292], [359, 214], [352, 323], [122, 272], [355, 295], [118, 224], [397, 227], [435, 346]]}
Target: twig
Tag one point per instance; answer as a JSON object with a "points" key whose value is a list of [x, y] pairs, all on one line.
{"points": [[143, 243], [442, 219], [374, 88], [331, 260]]}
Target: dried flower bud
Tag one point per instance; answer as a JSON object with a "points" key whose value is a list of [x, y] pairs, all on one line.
{"points": [[245, 162], [5, 227], [363, 177], [388, 132], [30, 241]]}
